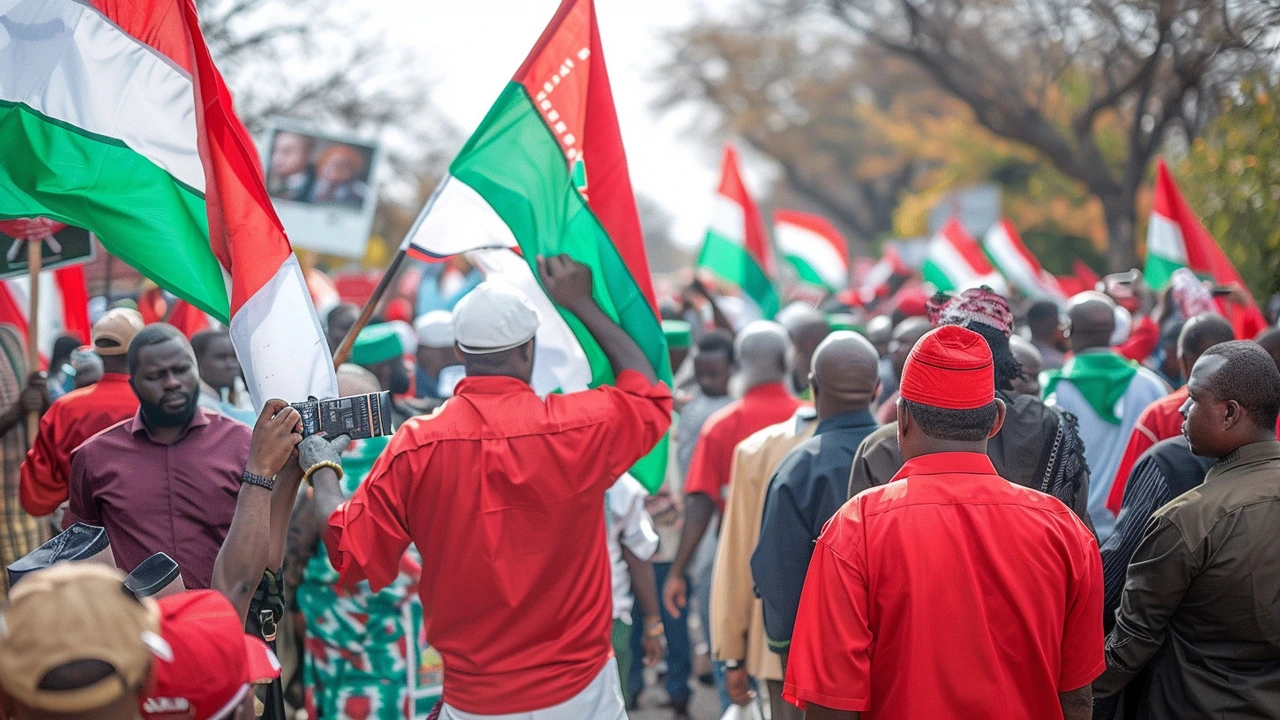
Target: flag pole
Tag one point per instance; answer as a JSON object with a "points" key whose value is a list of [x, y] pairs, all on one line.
{"points": [[33, 326], [344, 350]]}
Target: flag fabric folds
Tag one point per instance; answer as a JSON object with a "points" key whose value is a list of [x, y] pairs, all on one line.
{"points": [[114, 118], [1005, 249], [736, 247], [814, 248], [1177, 239], [955, 262], [544, 174]]}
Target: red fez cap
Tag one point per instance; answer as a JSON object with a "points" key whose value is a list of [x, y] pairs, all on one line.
{"points": [[950, 368]]}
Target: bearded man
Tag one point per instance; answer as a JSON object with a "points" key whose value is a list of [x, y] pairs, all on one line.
{"points": [[165, 480]]}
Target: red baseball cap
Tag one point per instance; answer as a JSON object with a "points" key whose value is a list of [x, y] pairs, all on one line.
{"points": [[213, 662]]}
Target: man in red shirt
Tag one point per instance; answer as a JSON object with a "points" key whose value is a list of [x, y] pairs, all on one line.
{"points": [[81, 414], [762, 351], [949, 592], [1163, 418], [503, 494]]}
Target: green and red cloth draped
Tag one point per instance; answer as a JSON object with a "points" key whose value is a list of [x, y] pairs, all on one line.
{"points": [[114, 118], [519, 189]]}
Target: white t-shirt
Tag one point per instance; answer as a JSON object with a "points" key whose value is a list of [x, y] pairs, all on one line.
{"points": [[627, 524]]}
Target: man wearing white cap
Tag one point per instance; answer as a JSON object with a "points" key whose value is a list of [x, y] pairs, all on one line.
{"points": [[438, 369], [503, 494]]}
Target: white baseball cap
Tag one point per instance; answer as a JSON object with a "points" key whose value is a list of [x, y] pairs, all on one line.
{"points": [[435, 329], [494, 317]]}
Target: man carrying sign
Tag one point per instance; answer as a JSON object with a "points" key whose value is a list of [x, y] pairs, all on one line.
{"points": [[503, 494]]}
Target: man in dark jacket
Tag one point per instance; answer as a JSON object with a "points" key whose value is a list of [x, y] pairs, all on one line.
{"points": [[1037, 447], [809, 485]]}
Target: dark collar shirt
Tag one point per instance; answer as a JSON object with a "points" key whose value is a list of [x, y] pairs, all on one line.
{"points": [[177, 499], [806, 490], [1201, 603], [1162, 473]]}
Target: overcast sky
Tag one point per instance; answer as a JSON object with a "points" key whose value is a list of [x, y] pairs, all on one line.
{"points": [[471, 48]]}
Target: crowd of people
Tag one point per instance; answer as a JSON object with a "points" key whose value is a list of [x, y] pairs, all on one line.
{"points": [[970, 507]]}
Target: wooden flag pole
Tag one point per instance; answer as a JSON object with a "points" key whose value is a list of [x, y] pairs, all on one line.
{"points": [[344, 350], [33, 324]]}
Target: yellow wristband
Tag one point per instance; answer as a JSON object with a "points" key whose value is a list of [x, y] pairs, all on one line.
{"points": [[322, 464]]}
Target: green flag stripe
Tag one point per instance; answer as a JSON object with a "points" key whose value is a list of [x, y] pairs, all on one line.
{"points": [[515, 163], [806, 273], [934, 274], [1159, 271], [730, 262], [140, 212]]}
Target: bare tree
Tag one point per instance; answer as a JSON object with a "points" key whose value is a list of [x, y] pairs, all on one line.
{"points": [[810, 102], [1093, 85]]}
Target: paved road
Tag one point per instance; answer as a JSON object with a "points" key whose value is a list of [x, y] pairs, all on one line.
{"points": [[704, 705]]}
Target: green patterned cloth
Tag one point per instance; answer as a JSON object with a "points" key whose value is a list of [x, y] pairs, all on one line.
{"points": [[364, 655]]}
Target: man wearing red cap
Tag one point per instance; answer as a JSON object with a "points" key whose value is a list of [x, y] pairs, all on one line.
{"points": [[210, 664], [949, 592]]}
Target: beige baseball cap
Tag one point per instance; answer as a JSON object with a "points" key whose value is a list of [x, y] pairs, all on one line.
{"points": [[72, 613], [114, 331]]}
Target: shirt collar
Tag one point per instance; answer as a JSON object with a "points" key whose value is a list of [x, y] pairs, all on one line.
{"points": [[1253, 452], [943, 463], [767, 392], [138, 425], [846, 421], [113, 378], [490, 385]]}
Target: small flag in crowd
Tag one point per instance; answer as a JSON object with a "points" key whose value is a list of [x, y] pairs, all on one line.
{"points": [[1019, 266], [518, 185], [1177, 239], [814, 248], [736, 248], [114, 118], [64, 298], [955, 261]]}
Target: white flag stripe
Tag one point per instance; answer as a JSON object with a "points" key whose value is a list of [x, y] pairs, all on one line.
{"points": [[728, 220], [456, 220], [1012, 263], [1164, 239], [66, 61], [815, 250]]}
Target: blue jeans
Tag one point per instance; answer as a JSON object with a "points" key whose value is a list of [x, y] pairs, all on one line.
{"points": [[679, 654]]}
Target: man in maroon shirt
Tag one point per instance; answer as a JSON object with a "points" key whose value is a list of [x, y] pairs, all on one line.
{"points": [[165, 480], [79, 415]]}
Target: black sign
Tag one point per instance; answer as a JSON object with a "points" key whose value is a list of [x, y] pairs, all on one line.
{"points": [[68, 246]]}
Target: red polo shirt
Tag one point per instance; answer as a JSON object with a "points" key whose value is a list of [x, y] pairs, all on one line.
{"points": [[70, 420], [502, 492], [950, 592], [760, 407], [1160, 421]]}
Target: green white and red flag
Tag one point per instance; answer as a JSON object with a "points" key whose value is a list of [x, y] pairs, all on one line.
{"points": [[814, 248], [114, 118], [736, 248], [1177, 239], [1005, 249], [955, 261], [518, 189]]}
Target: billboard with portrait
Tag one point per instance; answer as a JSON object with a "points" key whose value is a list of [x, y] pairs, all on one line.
{"points": [[323, 186]]}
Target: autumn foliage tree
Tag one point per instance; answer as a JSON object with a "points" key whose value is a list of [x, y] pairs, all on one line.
{"points": [[1061, 76]]}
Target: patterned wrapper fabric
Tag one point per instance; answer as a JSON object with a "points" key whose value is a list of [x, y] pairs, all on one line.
{"points": [[20, 533]]}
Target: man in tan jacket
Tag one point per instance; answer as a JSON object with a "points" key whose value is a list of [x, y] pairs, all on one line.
{"points": [[737, 622]]}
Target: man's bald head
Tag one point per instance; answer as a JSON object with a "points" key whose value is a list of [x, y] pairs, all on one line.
{"points": [[1198, 335], [1270, 341], [764, 353], [1093, 320], [845, 374], [806, 327], [356, 380], [905, 336], [879, 331]]}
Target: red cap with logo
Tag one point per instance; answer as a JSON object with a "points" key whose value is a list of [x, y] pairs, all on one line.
{"points": [[213, 662]]}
